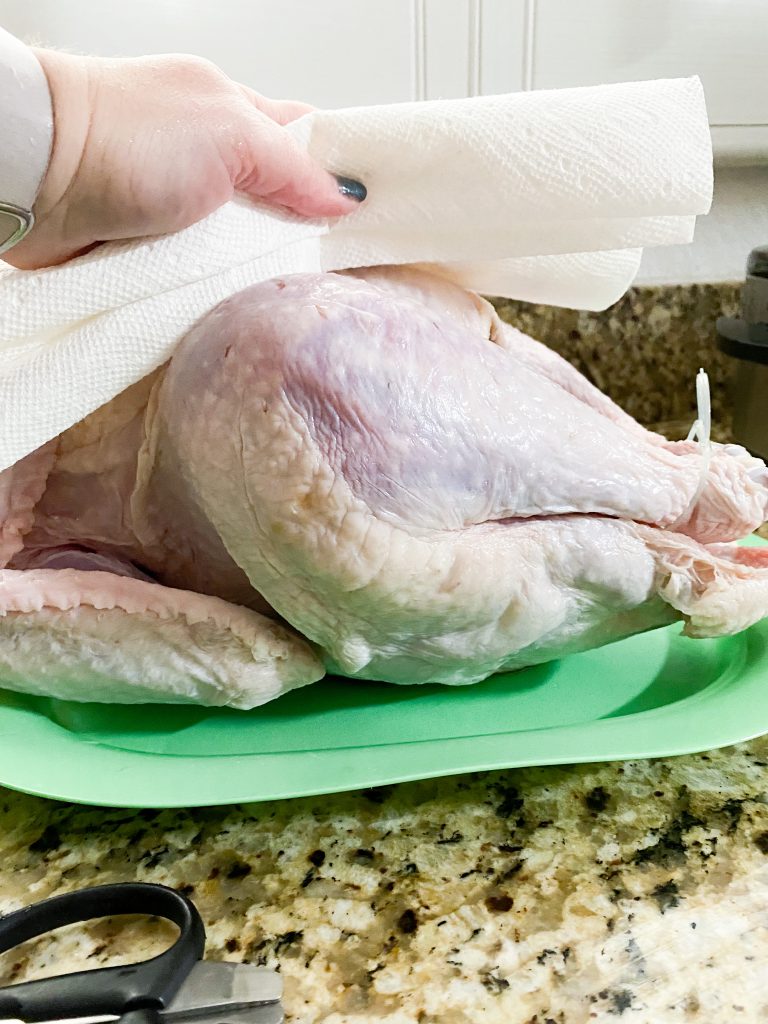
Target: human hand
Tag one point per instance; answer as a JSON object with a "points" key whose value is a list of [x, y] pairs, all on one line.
{"points": [[150, 145]]}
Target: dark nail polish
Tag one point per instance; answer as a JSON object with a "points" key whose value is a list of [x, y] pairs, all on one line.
{"points": [[349, 187]]}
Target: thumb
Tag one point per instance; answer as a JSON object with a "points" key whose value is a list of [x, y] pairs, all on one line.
{"points": [[272, 166]]}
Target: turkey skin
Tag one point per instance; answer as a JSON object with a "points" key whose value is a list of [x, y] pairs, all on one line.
{"points": [[365, 473]]}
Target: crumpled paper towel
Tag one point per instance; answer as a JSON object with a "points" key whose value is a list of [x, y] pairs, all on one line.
{"points": [[546, 196]]}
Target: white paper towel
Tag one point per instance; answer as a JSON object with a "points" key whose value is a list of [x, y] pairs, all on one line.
{"points": [[545, 196]]}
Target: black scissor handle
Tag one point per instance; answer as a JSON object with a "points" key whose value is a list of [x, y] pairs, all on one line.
{"points": [[107, 990]]}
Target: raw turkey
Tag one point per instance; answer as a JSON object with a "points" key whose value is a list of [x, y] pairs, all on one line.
{"points": [[364, 473]]}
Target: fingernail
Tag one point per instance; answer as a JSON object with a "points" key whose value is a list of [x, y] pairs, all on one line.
{"points": [[349, 187]]}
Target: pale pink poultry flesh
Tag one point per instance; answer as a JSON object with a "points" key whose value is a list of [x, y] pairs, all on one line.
{"points": [[366, 473]]}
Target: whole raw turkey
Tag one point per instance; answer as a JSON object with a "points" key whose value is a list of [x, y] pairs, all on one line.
{"points": [[366, 473]]}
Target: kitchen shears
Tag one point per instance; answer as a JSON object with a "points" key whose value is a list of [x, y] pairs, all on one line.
{"points": [[176, 987]]}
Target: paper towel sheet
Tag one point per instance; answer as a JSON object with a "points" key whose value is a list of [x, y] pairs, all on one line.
{"points": [[545, 196]]}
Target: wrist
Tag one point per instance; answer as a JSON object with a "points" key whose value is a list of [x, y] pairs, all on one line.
{"points": [[69, 84], [25, 110]]}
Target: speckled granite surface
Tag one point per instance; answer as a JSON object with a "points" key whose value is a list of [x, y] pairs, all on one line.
{"points": [[634, 891]]}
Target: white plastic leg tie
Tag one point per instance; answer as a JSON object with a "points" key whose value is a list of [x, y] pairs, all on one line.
{"points": [[700, 432]]}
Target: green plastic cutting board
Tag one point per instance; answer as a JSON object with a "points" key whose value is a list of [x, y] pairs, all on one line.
{"points": [[652, 695]]}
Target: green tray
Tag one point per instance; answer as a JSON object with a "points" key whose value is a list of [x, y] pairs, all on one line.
{"points": [[652, 695]]}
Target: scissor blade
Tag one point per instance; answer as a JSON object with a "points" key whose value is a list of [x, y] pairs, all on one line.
{"points": [[259, 1013], [214, 993], [221, 989], [267, 1013]]}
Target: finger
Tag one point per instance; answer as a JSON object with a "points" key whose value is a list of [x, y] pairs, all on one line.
{"points": [[273, 166], [280, 111]]}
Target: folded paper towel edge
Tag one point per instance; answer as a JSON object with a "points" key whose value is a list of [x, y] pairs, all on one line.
{"points": [[610, 273], [301, 127]]}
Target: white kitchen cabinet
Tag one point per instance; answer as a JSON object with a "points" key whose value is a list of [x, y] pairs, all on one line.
{"points": [[328, 52], [725, 42], [604, 41], [469, 47]]}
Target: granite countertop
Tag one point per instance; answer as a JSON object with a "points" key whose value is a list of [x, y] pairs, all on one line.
{"points": [[559, 895], [571, 894]]}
